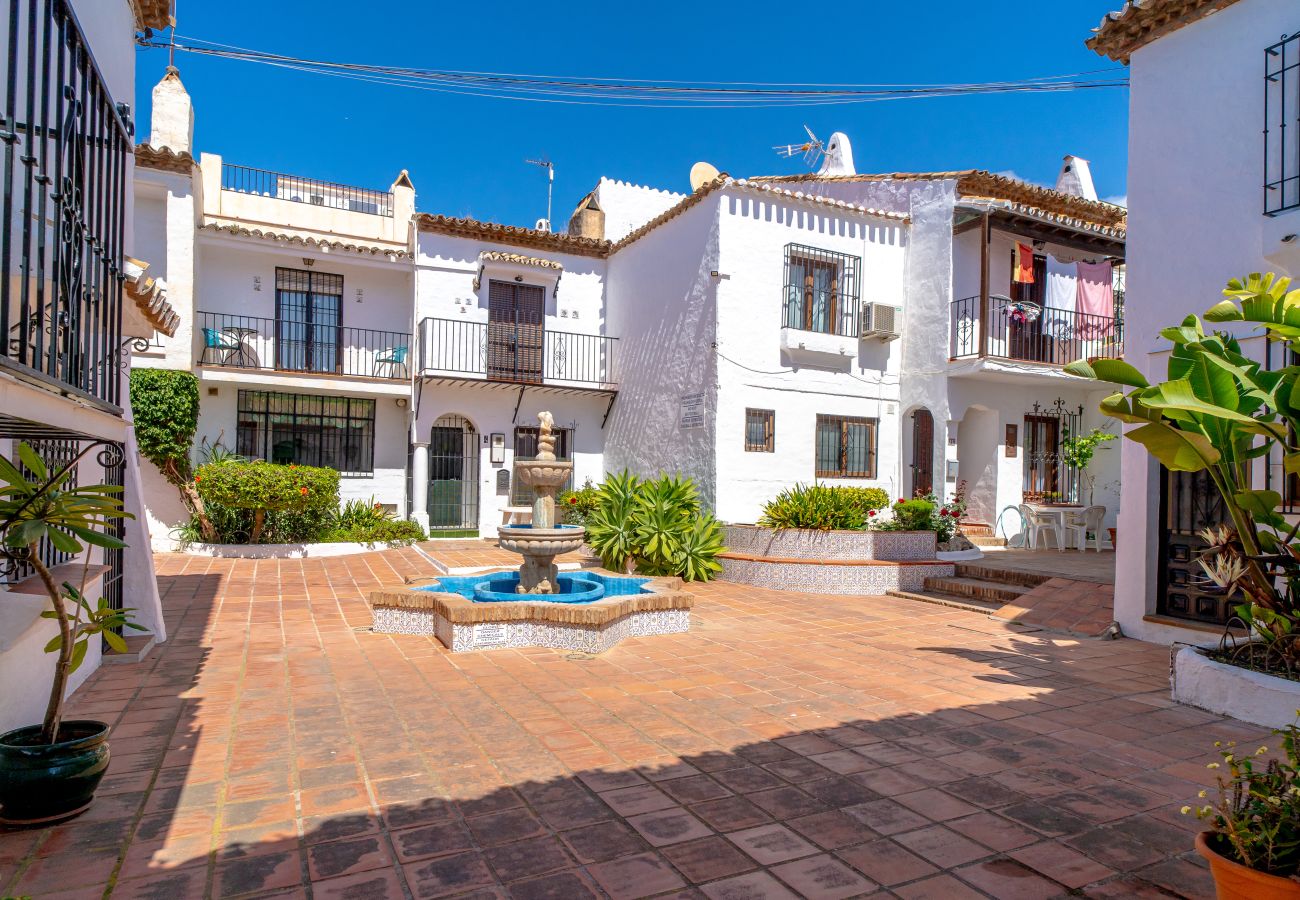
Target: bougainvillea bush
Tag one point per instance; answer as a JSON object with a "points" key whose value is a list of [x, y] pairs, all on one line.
{"points": [[262, 487]]}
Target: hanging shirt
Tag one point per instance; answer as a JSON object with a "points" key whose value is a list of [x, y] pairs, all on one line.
{"points": [[1024, 273], [1061, 299], [1096, 299]]}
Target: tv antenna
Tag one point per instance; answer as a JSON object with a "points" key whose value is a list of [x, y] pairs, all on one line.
{"points": [[812, 149], [549, 166]]}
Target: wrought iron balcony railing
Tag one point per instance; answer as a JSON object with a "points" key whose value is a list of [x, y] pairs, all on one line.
{"points": [[516, 353], [64, 154], [252, 342], [264, 183], [1029, 333]]}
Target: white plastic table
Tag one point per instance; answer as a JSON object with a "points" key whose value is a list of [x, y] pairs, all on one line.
{"points": [[1057, 514]]}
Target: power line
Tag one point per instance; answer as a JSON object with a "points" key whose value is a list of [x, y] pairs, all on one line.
{"points": [[645, 93]]}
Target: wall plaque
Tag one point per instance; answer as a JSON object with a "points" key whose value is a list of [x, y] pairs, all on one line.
{"points": [[490, 634], [692, 411]]}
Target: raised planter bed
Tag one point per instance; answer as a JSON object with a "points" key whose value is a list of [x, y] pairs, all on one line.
{"points": [[1218, 687], [831, 562], [281, 551]]}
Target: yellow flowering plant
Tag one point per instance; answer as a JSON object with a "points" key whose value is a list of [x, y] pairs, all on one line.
{"points": [[1255, 819]]}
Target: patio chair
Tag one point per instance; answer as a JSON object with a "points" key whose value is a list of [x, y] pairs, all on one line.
{"points": [[218, 346], [1085, 523], [394, 358], [1037, 524]]}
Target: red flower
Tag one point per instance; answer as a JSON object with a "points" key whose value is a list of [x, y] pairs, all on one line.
{"points": [[302, 491], [871, 512], [943, 512], [573, 501], [293, 465], [196, 479]]}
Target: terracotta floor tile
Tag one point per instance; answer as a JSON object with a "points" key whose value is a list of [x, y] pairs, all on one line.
{"points": [[754, 886], [447, 875], [670, 826], [347, 857], [637, 876], [528, 858], [377, 884], [886, 862], [769, 844], [1007, 879], [569, 885], [707, 859]]}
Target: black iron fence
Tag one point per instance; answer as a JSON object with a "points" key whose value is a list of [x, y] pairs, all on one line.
{"points": [[1282, 125], [520, 354], [1028, 332], [64, 159], [265, 183], [253, 342]]}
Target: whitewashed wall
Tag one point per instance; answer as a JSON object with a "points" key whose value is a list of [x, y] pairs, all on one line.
{"points": [[662, 307], [629, 206], [753, 371], [1195, 220]]}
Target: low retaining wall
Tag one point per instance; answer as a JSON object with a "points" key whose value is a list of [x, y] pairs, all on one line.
{"points": [[1228, 690], [280, 551], [800, 543], [462, 624]]}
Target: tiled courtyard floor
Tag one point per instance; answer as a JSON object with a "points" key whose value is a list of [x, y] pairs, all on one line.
{"points": [[790, 745]]}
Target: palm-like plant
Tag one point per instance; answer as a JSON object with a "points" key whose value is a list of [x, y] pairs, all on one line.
{"points": [[45, 507], [1219, 412]]}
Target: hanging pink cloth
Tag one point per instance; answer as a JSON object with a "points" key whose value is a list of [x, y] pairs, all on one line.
{"points": [[1096, 294]]}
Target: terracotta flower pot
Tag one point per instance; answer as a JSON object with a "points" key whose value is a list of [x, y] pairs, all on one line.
{"points": [[1112, 537], [1233, 881]]}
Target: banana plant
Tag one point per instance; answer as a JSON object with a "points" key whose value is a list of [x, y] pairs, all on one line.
{"points": [[1219, 411]]}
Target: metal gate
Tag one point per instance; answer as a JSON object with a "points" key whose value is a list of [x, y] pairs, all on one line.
{"points": [[922, 452], [1047, 479], [453, 476], [1189, 503]]}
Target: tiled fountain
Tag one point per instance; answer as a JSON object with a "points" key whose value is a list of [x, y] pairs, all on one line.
{"points": [[536, 605]]}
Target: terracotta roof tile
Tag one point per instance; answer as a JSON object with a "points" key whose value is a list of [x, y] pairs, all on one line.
{"points": [[164, 158], [310, 242], [150, 296], [155, 14], [513, 235], [1139, 22]]}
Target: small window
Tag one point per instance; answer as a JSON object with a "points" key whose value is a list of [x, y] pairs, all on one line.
{"points": [[821, 290], [846, 447], [760, 430]]}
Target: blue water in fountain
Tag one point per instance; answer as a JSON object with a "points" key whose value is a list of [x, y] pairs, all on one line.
{"points": [[575, 587]]}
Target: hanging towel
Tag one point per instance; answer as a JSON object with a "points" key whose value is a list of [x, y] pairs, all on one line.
{"points": [[1096, 300], [1024, 273], [1062, 299]]}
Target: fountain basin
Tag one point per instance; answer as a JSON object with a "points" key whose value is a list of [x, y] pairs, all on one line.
{"points": [[529, 540], [578, 587]]}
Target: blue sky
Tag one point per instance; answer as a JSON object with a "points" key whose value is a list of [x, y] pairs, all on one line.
{"points": [[466, 155]]}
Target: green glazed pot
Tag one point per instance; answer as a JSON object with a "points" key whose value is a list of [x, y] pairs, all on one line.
{"points": [[46, 782]]}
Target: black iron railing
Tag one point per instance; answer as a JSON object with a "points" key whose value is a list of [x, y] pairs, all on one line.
{"points": [[264, 183], [253, 342], [64, 159], [520, 354], [1282, 126], [821, 291], [1028, 332]]}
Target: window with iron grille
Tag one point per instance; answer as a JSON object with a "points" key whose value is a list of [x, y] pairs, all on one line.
{"points": [[846, 447], [821, 290], [760, 430], [311, 430], [1282, 126], [526, 449], [308, 320]]}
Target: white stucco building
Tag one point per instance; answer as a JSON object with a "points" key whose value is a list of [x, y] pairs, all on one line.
{"points": [[1214, 189], [75, 291]]}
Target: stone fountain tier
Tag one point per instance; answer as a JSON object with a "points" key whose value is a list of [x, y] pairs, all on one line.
{"points": [[543, 540]]}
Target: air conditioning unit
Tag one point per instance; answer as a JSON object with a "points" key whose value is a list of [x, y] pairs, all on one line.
{"points": [[879, 320]]}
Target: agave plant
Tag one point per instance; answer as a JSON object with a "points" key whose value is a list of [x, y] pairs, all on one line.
{"points": [[1219, 411]]}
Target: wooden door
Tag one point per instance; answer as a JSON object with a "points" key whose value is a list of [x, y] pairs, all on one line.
{"points": [[1042, 458], [516, 332], [922, 452]]}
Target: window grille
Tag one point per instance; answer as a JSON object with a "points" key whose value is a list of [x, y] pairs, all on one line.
{"points": [[307, 429], [846, 447], [760, 430], [526, 449], [821, 291], [1282, 126]]}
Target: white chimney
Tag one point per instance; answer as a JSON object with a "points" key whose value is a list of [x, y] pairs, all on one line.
{"points": [[1076, 179], [171, 123]]}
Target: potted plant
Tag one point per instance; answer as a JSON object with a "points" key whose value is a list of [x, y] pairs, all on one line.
{"points": [[1077, 452], [1253, 845], [50, 771]]}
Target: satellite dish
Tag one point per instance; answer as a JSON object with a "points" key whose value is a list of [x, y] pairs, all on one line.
{"points": [[701, 174]]}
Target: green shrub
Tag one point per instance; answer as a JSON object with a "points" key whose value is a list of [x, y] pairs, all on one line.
{"points": [[306, 496], [916, 514], [577, 506], [656, 527], [165, 410], [386, 531], [823, 508]]}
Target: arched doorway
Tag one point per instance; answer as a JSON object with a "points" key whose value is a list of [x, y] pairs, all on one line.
{"points": [[453, 475], [922, 452]]}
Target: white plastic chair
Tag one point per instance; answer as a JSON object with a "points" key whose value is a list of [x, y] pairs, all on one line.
{"points": [[1036, 524], [1084, 523]]}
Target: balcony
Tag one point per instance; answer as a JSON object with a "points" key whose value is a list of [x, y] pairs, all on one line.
{"points": [[251, 342], [1025, 332], [295, 189], [516, 354]]}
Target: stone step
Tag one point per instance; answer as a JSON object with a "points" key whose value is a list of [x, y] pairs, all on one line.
{"points": [[975, 529], [980, 540], [987, 572], [942, 598], [976, 589]]}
